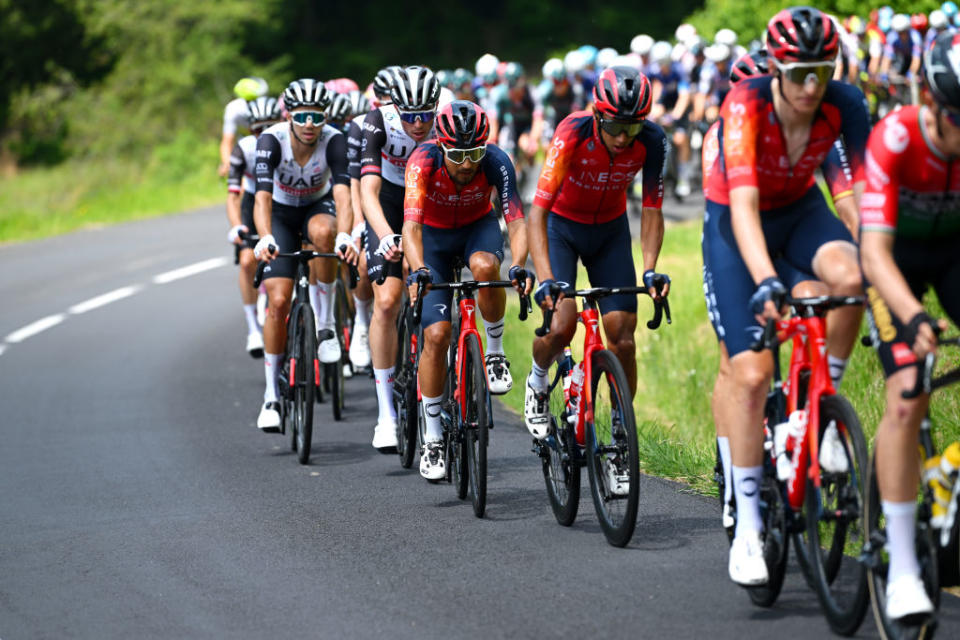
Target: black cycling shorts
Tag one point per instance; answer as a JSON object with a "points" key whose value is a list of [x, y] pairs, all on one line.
{"points": [[289, 226], [391, 201]]}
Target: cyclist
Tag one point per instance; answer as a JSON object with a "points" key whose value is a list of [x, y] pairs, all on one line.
{"points": [[909, 238], [263, 112], [448, 214], [235, 117], [902, 53], [671, 102], [558, 95], [462, 80], [302, 196], [390, 134], [580, 213], [340, 111], [764, 204]]}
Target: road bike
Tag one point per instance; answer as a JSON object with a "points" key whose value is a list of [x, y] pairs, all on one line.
{"points": [[299, 376], [937, 548], [593, 424], [816, 501], [334, 373], [406, 390]]}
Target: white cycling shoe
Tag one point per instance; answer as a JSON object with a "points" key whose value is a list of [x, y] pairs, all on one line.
{"points": [[833, 457], [255, 344], [385, 436], [269, 419], [432, 464], [536, 414], [727, 519], [360, 348], [618, 483], [906, 597], [747, 566], [499, 379], [329, 350]]}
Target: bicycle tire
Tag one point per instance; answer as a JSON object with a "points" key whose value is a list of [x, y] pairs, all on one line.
{"points": [[405, 393], [559, 453], [456, 455], [305, 355], [475, 430], [876, 561], [834, 514], [776, 542], [343, 312], [613, 450]]}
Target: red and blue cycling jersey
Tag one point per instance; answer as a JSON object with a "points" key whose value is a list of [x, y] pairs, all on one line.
{"points": [[583, 182], [913, 188], [753, 152], [431, 197]]}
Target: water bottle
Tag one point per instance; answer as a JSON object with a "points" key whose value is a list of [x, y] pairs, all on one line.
{"points": [[940, 472], [573, 399], [786, 435]]}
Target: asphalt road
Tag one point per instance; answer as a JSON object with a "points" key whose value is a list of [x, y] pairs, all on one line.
{"points": [[137, 498]]}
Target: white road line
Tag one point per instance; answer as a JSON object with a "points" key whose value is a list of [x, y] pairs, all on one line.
{"points": [[3, 348], [105, 299], [34, 328], [189, 270]]}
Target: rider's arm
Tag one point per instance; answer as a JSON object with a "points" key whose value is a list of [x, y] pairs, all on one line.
{"points": [[502, 175], [268, 159], [651, 217], [537, 238], [339, 173], [876, 256], [413, 243], [354, 143], [234, 188], [745, 220], [417, 178], [374, 137], [551, 179]]}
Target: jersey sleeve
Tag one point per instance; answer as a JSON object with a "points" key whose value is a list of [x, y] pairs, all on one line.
{"points": [[653, 165], [836, 170], [374, 137], [740, 114], [237, 164], [855, 128], [234, 116], [556, 164], [886, 149], [502, 175], [337, 159], [416, 179], [268, 159], [354, 142]]}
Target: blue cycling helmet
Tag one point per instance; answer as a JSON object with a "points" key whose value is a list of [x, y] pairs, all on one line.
{"points": [[589, 54], [949, 8]]}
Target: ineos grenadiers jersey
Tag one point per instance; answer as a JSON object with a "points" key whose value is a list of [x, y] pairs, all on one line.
{"points": [[752, 150], [581, 181], [235, 116], [354, 144], [432, 199], [242, 161], [913, 189], [386, 146], [279, 173]]}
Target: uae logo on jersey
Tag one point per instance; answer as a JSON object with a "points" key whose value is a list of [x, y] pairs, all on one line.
{"points": [[895, 136]]}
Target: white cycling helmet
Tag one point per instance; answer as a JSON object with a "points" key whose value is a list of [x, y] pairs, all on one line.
{"points": [[641, 44], [553, 68], [717, 52], [574, 61], [938, 20], [660, 52], [486, 64], [685, 33], [900, 22], [727, 37], [605, 57]]}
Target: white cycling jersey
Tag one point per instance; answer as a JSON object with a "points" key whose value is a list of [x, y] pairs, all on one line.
{"points": [[235, 117], [291, 184], [242, 161], [386, 146]]}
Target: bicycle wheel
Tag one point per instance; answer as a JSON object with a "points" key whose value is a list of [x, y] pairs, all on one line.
{"points": [[343, 312], [475, 423], [453, 431], [877, 561], [405, 392], [559, 452], [305, 357], [612, 451], [776, 543], [834, 518]]}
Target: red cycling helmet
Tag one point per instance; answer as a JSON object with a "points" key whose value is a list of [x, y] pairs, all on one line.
{"points": [[622, 93], [461, 124], [919, 22], [802, 34], [749, 65]]}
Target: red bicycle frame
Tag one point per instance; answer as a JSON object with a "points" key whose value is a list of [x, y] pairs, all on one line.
{"points": [[592, 342]]}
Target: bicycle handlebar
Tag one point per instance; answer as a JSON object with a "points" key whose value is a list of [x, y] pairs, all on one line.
{"points": [[249, 237], [660, 308], [926, 383], [471, 285], [305, 255], [804, 307]]}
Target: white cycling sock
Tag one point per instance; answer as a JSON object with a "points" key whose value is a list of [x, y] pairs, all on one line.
{"points": [[494, 336], [362, 316], [837, 367], [250, 312], [315, 303], [746, 486], [325, 293], [271, 368], [901, 538], [538, 377], [384, 382], [724, 444], [431, 418]]}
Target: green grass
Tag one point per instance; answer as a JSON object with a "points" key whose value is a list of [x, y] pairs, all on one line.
{"points": [[80, 193], [677, 366]]}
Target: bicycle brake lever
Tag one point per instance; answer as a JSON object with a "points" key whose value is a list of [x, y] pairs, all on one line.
{"points": [[258, 276]]}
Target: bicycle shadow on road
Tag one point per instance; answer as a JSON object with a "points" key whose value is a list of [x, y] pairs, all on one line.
{"points": [[334, 454]]}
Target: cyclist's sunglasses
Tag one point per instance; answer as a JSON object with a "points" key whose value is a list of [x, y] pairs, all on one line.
{"points": [[459, 156], [615, 128], [803, 72], [317, 117], [413, 117]]}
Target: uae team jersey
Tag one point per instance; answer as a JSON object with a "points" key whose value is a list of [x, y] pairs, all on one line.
{"points": [[386, 146], [913, 188], [752, 152], [581, 181], [279, 173], [432, 199]]}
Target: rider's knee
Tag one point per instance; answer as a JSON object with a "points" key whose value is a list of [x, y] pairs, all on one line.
{"points": [[279, 305], [387, 301], [437, 336], [838, 266], [751, 375], [322, 235], [484, 266], [247, 260]]}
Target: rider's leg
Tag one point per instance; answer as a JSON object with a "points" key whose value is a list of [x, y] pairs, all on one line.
{"points": [[383, 342], [620, 327], [279, 292], [433, 366], [248, 268]]}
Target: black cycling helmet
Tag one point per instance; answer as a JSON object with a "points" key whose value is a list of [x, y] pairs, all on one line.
{"points": [[415, 88], [306, 92], [940, 74], [749, 65], [622, 93], [462, 124], [383, 82]]}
